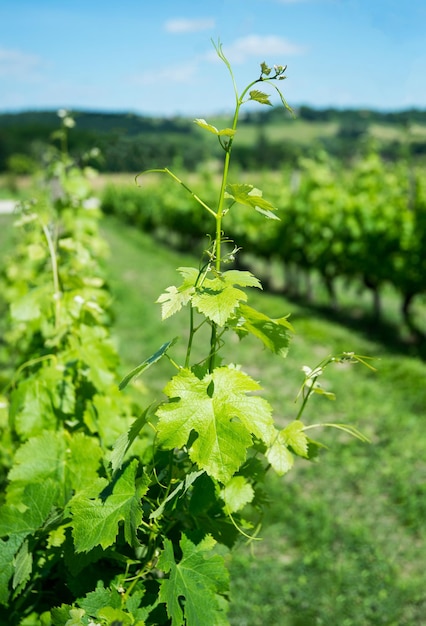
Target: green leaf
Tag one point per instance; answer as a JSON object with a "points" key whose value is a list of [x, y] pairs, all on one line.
{"points": [[265, 69], [8, 549], [251, 196], [71, 461], [219, 409], [147, 363], [30, 306], [198, 578], [97, 599], [174, 298], [283, 100], [259, 96], [23, 565], [95, 521], [27, 518], [295, 438], [31, 407], [274, 333], [241, 278], [217, 298], [227, 132], [93, 348], [279, 456], [115, 616], [236, 494]]}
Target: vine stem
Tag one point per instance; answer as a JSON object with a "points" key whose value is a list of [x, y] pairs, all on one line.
{"points": [[165, 170], [55, 272], [220, 207]]}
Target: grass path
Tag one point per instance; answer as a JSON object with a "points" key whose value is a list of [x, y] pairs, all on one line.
{"points": [[344, 539]]}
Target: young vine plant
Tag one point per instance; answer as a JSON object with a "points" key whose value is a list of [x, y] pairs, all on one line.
{"points": [[131, 527]]}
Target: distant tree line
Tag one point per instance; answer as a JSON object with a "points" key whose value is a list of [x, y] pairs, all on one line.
{"points": [[127, 142], [130, 142], [333, 114]]}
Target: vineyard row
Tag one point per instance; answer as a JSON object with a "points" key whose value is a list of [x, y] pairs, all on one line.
{"points": [[367, 224]]}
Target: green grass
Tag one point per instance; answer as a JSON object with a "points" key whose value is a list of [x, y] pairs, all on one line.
{"points": [[343, 538]]}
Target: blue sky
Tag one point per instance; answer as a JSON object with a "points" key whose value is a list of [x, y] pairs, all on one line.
{"points": [[155, 57]]}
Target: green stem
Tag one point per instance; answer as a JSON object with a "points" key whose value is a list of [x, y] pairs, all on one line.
{"points": [[191, 336], [165, 170], [55, 272], [305, 399], [219, 217], [212, 347]]}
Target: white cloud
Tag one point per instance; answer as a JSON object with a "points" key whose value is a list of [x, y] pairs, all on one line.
{"points": [[261, 45], [182, 73], [17, 63], [184, 25]]}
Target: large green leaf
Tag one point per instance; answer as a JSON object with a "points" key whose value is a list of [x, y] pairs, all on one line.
{"points": [[215, 297], [197, 579], [95, 521], [71, 461], [219, 409]]}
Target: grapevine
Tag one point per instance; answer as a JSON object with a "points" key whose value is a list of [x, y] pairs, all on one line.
{"points": [[114, 513]]}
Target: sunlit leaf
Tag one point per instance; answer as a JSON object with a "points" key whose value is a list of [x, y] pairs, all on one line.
{"points": [[219, 409], [273, 333], [237, 493], [251, 196], [217, 298], [260, 96], [295, 438], [174, 298], [279, 456], [228, 132]]}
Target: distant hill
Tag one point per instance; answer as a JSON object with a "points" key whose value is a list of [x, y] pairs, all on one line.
{"points": [[131, 142], [97, 121]]}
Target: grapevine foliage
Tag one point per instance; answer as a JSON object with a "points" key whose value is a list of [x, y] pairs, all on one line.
{"points": [[113, 514]]}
